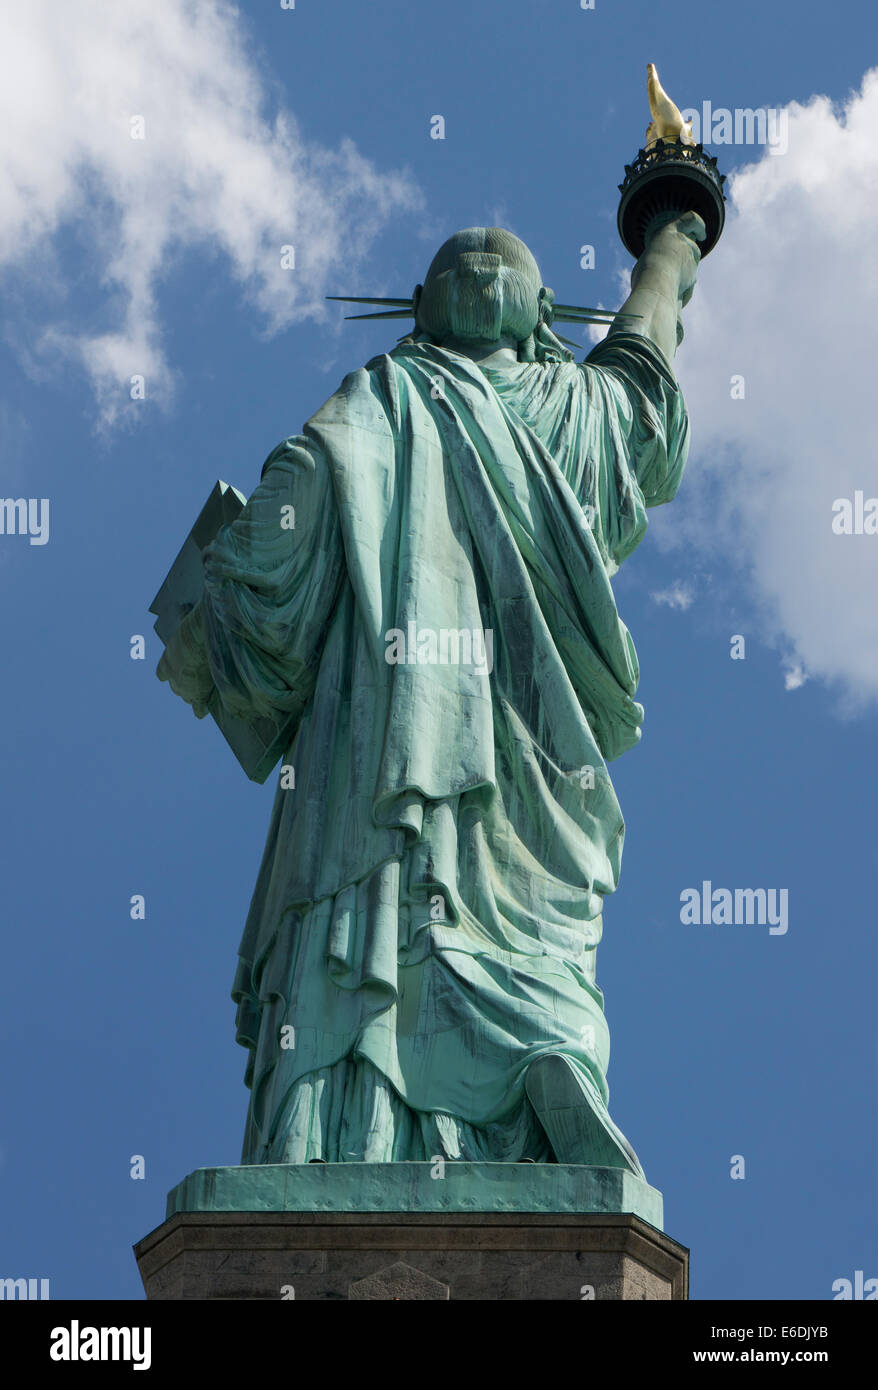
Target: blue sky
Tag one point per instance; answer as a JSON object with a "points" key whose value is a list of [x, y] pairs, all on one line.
{"points": [[160, 258]]}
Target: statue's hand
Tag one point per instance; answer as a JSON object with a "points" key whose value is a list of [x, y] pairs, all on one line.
{"points": [[184, 667], [676, 237]]}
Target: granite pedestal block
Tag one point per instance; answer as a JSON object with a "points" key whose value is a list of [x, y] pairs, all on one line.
{"points": [[404, 1231]]}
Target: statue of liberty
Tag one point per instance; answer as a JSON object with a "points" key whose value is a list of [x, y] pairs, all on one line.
{"points": [[438, 633]]}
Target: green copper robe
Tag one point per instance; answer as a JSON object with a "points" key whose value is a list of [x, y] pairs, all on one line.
{"points": [[429, 903]]}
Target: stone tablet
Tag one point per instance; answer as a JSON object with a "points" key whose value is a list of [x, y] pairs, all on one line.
{"points": [[257, 743]]}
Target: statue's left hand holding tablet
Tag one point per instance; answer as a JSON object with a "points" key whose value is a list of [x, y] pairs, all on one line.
{"points": [[184, 664]]}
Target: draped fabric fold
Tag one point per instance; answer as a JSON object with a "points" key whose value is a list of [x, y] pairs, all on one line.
{"points": [[441, 627]]}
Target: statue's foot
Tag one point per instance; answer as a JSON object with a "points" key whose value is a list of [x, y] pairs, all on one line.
{"points": [[575, 1118]]}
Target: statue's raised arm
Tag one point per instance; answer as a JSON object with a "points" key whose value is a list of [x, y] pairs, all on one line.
{"points": [[662, 282]]}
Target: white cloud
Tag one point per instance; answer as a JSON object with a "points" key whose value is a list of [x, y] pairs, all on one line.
{"points": [[215, 171], [677, 596], [794, 678], [789, 301]]}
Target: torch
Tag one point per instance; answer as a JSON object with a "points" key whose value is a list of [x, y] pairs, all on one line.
{"points": [[670, 175]]}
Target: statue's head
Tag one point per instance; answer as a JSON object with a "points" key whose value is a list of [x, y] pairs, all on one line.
{"points": [[483, 285]]}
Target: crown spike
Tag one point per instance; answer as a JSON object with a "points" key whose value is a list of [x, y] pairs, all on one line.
{"points": [[404, 309], [388, 314], [358, 299]]}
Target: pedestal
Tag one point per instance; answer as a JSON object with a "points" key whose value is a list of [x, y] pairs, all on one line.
{"points": [[355, 1231]]}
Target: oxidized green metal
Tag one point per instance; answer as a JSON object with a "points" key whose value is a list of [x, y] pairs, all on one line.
{"points": [[417, 1187], [437, 635]]}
